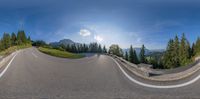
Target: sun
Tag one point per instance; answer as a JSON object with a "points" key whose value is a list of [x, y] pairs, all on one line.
{"points": [[98, 38]]}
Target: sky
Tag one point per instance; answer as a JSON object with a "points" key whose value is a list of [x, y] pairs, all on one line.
{"points": [[123, 22]]}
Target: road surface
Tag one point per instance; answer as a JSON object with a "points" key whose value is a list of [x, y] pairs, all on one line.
{"points": [[34, 75]]}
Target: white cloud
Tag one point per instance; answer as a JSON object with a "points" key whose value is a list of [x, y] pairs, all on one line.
{"points": [[98, 38], [137, 38], [84, 32]]}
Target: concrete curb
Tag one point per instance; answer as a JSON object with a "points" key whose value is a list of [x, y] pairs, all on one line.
{"points": [[163, 78]]}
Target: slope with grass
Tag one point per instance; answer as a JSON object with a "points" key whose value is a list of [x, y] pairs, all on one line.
{"points": [[14, 48], [58, 53]]}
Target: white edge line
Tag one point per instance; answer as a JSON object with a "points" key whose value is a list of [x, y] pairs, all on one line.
{"points": [[34, 55], [155, 86], [1, 74]]}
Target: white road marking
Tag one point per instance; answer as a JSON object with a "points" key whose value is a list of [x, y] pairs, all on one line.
{"points": [[1, 74], [34, 55], [156, 86]]}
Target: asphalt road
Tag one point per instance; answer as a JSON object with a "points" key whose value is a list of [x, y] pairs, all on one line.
{"points": [[34, 75]]}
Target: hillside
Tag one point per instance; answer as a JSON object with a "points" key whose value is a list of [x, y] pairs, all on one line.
{"points": [[63, 42], [147, 51]]}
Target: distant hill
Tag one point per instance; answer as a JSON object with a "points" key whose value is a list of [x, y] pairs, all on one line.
{"points": [[70, 42], [157, 50], [63, 42], [147, 51], [137, 50]]}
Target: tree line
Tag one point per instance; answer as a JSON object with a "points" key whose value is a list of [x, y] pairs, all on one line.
{"points": [[130, 56], [75, 48], [179, 52], [84, 48], [133, 57], [9, 40]]}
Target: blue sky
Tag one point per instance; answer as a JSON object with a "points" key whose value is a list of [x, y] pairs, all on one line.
{"points": [[123, 22]]}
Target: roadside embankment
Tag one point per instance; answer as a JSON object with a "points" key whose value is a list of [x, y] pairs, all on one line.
{"points": [[6, 55], [6, 59], [58, 53], [147, 73], [12, 49]]}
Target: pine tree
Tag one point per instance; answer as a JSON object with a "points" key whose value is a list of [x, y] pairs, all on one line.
{"points": [[82, 48], [167, 58], [86, 49], [21, 37], [93, 47], [189, 50], [39, 43], [131, 56], [13, 39], [6, 40], [142, 54], [1, 45], [19, 40], [68, 48], [99, 49], [126, 56], [104, 49], [197, 46], [192, 50], [78, 48], [74, 48], [29, 39], [184, 51], [178, 53], [135, 58], [175, 53]]}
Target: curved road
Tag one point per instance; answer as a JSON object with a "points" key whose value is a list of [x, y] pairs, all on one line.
{"points": [[34, 75]]}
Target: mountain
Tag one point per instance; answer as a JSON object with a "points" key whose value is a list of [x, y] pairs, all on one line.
{"points": [[147, 51], [157, 50], [63, 42], [137, 50]]}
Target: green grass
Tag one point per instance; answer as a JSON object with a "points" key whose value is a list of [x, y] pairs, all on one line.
{"points": [[14, 48], [195, 56], [58, 53]]}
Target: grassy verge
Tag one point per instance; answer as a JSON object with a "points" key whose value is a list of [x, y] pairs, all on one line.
{"points": [[195, 56], [14, 48], [58, 53]]}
